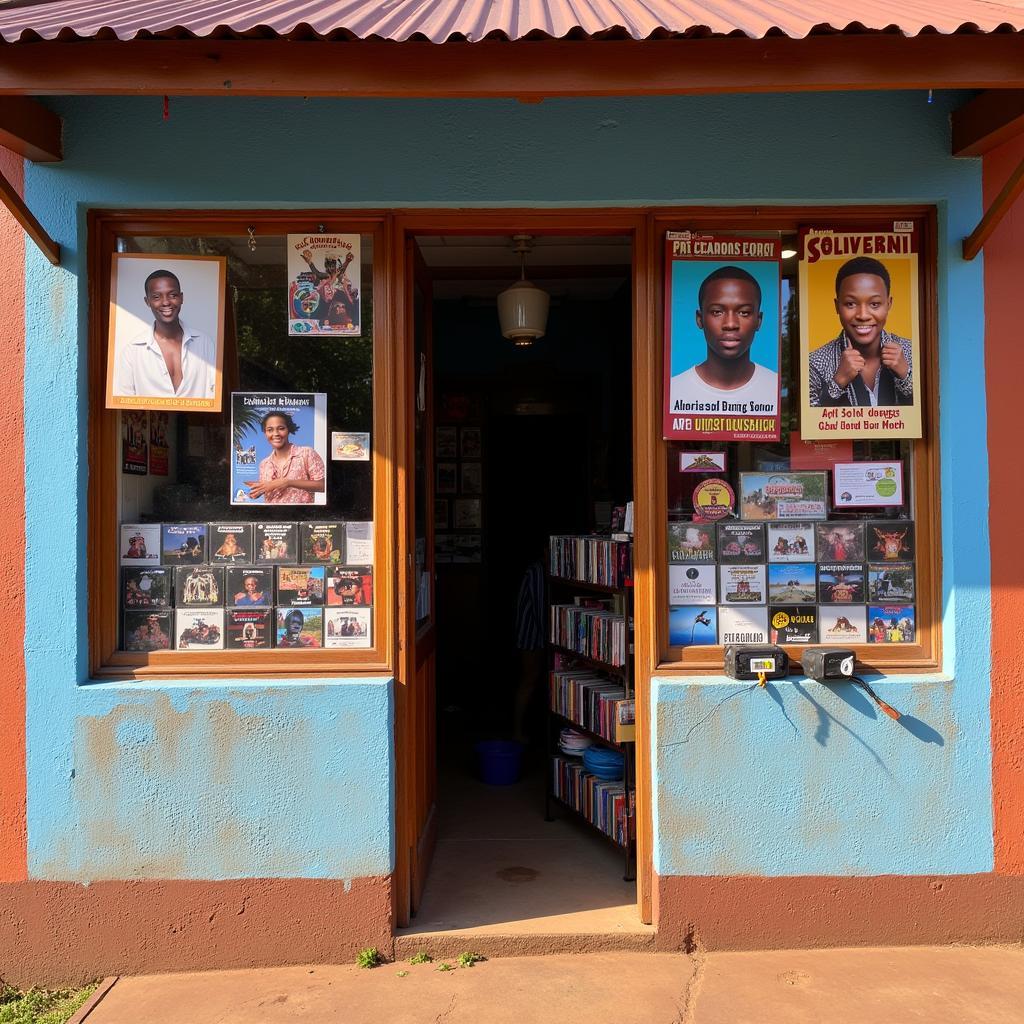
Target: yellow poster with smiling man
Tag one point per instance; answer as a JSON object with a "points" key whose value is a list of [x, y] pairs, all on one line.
{"points": [[860, 333]]}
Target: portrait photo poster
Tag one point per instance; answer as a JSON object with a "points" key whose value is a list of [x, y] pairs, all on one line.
{"points": [[870, 320], [186, 304], [722, 337], [323, 285], [250, 447]]}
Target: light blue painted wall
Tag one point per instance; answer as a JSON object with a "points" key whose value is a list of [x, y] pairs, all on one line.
{"points": [[842, 148]]}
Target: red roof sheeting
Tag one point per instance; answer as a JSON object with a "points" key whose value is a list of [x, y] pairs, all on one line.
{"points": [[439, 21]]}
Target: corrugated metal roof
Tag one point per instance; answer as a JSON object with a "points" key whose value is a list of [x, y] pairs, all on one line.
{"points": [[446, 20]]}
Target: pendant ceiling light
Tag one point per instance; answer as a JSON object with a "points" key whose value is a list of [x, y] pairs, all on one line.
{"points": [[523, 307]]}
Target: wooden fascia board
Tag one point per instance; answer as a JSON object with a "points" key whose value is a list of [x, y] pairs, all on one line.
{"points": [[527, 70], [29, 129]]}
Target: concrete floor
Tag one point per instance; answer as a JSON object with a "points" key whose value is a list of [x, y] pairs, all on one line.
{"points": [[501, 871], [841, 986]]}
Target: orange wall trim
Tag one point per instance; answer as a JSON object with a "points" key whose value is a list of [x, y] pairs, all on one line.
{"points": [[1004, 365], [744, 912], [13, 866], [62, 933]]}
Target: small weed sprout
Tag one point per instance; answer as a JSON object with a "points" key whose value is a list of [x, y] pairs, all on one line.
{"points": [[445, 967], [369, 957], [422, 957], [468, 959]]}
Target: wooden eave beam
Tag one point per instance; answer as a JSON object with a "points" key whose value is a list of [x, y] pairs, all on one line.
{"points": [[527, 70], [1001, 205], [30, 129], [23, 215], [988, 120]]}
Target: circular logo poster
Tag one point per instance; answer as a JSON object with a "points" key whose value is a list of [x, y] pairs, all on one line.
{"points": [[712, 500]]}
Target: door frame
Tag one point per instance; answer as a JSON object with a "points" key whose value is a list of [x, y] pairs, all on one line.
{"points": [[413, 843]]}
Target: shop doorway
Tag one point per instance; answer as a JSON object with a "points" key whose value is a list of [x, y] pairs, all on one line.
{"points": [[511, 444]]}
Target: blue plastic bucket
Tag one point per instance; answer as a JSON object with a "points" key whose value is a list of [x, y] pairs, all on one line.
{"points": [[501, 761]]}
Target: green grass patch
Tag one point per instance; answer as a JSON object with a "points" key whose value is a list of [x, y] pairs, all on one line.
{"points": [[40, 1006]]}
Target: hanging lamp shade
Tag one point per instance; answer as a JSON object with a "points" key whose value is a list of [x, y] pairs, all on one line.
{"points": [[523, 312]]}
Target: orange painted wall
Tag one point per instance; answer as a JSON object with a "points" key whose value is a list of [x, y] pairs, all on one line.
{"points": [[1004, 367], [12, 537]]}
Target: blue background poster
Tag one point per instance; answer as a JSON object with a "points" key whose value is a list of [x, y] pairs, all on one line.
{"points": [[249, 445]]}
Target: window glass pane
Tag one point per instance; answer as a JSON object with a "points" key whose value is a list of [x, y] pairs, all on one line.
{"points": [[177, 469], [847, 579]]}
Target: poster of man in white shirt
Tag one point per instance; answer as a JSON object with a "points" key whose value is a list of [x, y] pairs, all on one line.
{"points": [[166, 343], [722, 344]]}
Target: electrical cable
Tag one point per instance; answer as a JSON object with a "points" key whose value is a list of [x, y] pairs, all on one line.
{"points": [[887, 708]]}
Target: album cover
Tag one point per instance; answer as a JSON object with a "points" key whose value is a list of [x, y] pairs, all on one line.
{"points": [[783, 495], [691, 584], [446, 443], [183, 543], [444, 547], [468, 547], [359, 543], [471, 478], [146, 588], [300, 586], [447, 478], [251, 587], [276, 542], [693, 626], [347, 627], [691, 542], [300, 627], [199, 586], [891, 583], [890, 540], [793, 624], [839, 583], [199, 629], [467, 514], [140, 544], [249, 628], [231, 542], [470, 442], [322, 542], [790, 542], [738, 625], [792, 583], [741, 542], [842, 624], [742, 584], [891, 624], [840, 542], [352, 585], [146, 631]]}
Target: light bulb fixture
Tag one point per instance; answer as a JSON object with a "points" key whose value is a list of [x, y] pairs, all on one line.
{"points": [[788, 254], [523, 307]]}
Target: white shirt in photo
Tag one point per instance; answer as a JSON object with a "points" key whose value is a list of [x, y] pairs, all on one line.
{"points": [[141, 369], [762, 388]]}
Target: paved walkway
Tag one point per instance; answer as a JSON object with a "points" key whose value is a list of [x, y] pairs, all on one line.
{"points": [[965, 985]]}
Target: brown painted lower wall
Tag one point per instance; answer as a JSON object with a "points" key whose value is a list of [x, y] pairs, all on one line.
{"points": [[790, 913], [62, 933]]}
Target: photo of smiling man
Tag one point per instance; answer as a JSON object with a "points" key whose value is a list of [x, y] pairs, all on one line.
{"points": [[722, 338], [165, 353], [862, 380], [865, 364]]}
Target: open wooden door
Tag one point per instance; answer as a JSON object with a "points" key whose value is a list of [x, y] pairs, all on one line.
{"points": [[416, 722]]}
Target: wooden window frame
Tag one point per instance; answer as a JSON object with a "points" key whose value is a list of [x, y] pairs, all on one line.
{"points": [[925, 655], [105, 660]]}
